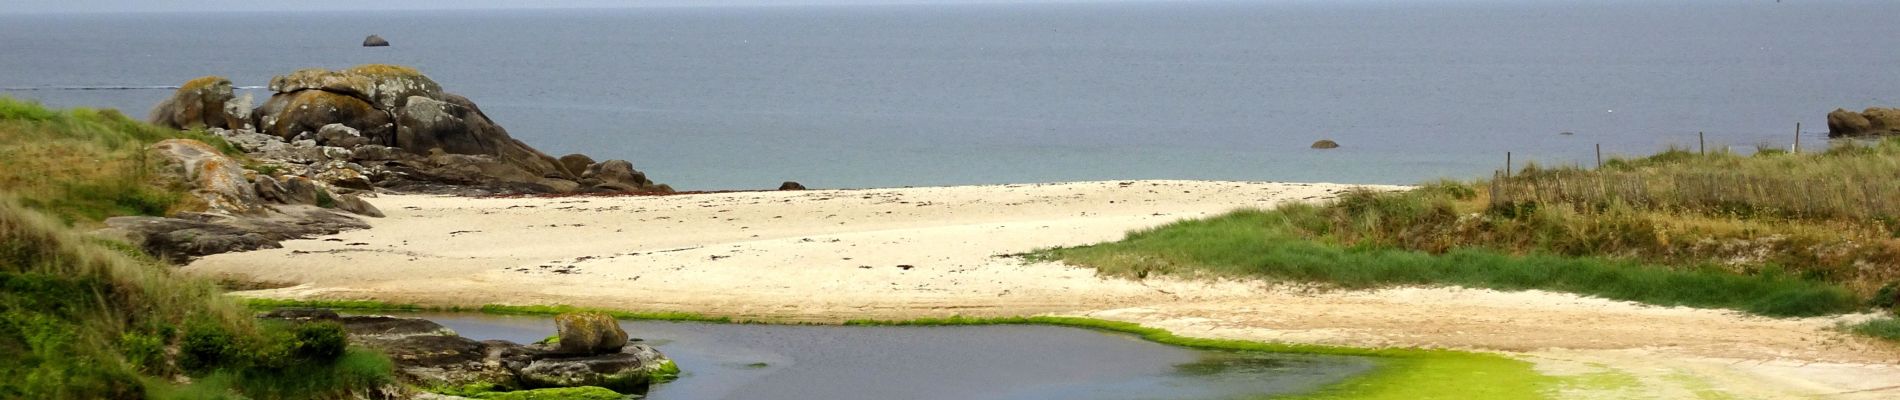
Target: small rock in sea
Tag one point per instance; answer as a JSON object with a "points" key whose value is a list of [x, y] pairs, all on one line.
{"points": [[375, 41], [790, 185], [1566, 133], [1325, 144]]}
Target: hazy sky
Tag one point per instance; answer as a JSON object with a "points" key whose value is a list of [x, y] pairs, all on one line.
{"points": [[108, 6]]}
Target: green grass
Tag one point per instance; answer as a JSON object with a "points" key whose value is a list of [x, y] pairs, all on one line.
{"points": [[83, 165], [1257, 243], [83, 317], [1885, 328]]}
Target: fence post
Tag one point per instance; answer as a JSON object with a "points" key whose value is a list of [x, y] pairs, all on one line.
{"points": [[1797, 138], [1599, 156], [1507, 165], [1701, 144]]}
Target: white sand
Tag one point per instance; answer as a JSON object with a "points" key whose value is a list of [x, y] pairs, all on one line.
{"points": [[834, 255]]}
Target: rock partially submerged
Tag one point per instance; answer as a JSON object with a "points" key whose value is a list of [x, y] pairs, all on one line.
{"points": [[1325, 144], [428, 354], [1870, 122], [375, 41], [588, 333]]}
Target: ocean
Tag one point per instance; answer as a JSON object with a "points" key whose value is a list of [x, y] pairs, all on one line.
{"points": [[738, 97]]}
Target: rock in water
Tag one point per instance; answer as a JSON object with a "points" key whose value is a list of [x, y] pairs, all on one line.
{"points": [[589, 333], [790, 185], [375, 41], [1325, 144]]}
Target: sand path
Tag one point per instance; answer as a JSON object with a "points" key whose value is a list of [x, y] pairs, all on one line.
{"points": [[917, 252]]}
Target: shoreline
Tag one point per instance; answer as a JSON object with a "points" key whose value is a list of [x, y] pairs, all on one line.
{"points": [[829, 256]]}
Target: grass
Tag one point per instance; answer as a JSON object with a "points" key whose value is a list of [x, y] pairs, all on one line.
{"points": [[85, 318], [1887, 328], [1777, 233], [84, 165]]}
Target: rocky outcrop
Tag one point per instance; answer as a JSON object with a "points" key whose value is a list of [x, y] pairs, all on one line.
{"points": [[576, 163], [1325, 144], [790, 185], [206, 102], [375, 41], [1873, 121], [427, 354], [301, 115], [236, 209], [615, 176]]}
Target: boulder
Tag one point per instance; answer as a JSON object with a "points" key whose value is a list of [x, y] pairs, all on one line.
{"points": [[288, 115], [375, 41], [1873, 121], [206, 102], [588, 333], [1325, 144], [616, 175], [790, 185], [356, 205], [629, 370], [387, 87], [216, 180], [342, 136], [300, 190], [576, 164], [455, 126]]}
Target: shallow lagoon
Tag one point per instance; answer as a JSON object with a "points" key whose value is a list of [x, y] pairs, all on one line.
{"points": [[740, 361]]}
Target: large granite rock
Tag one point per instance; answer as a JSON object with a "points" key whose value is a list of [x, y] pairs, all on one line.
{"points": [[186, 236], [616, 176], [206, 102], [216, 180], [1872, 121], [588, 333], [387, 87], [302, 114]]}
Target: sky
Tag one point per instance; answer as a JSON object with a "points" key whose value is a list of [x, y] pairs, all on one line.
{"points": [[117, 6]]}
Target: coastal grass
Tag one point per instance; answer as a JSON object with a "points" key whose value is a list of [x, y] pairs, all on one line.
{"points": [[1887, 328], [1775, 233], [84, 165]]}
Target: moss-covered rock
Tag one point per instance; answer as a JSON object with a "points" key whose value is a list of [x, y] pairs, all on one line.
{"points": [[588, 333], [385, 86], [204, 102], [289, 115]]}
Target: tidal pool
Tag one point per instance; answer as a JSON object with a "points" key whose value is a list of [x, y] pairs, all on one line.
{"points": [[1000, 362]]}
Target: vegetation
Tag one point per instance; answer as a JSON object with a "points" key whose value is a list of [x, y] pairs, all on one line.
{"points": [[83, 165], [1775, 233], [1885, 328], [87, 318]]}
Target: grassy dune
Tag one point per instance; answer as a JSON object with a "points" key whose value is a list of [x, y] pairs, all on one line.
{"points": [[1775, 233], [87, 318]]}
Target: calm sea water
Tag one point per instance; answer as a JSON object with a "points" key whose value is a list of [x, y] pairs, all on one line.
{"points": [[861, 96]]}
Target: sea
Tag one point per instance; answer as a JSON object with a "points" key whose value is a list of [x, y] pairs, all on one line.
{"points": [[923, 94]]}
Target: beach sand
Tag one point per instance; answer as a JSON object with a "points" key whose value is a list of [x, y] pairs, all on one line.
{"points": [[833, 255]]}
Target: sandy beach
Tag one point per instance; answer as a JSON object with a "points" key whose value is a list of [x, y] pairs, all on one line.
{"points": [[832, 255]]}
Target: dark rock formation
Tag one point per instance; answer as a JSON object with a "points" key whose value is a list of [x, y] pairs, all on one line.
{"points": [[375, 41], [206, 102], [1873, 121], [1325, 144], [616, 176], [190, 235], [427, 354], [790, 185]]}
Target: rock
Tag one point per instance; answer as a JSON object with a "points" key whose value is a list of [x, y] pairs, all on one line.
{"points": [[790, 185], [356, 205], [204, 102], [216, 180], [576, 164], [629, 370], [387, 87], [375, 41], [617, 175], [341, 136], [186, 236], [287, 115], [588, 333], [1325, 144], [456, 126], [300, 190], [1873, 121], [384, 327], [342, 174]]}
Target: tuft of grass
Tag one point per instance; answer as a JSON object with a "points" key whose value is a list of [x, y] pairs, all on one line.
{"points": [[1887, 328]]}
